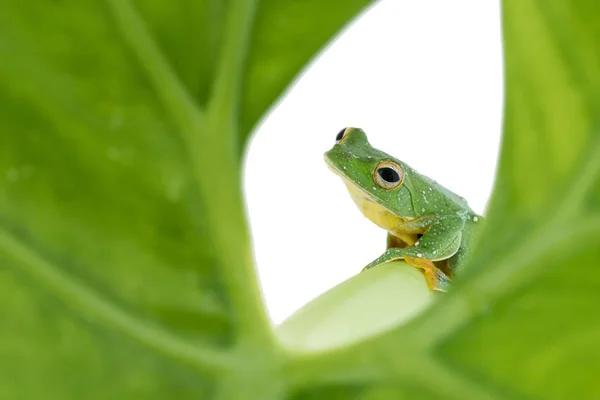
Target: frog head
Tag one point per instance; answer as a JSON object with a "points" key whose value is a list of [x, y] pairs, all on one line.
{"points": [[379, 184]]}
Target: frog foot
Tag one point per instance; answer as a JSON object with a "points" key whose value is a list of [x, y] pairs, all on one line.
{"points": [[435, 278]]}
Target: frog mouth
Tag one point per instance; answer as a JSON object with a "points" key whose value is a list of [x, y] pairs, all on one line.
{"points": [[332, 167], [354, 189]]}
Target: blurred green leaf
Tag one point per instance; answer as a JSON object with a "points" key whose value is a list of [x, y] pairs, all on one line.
{"points": [[126, 269]]}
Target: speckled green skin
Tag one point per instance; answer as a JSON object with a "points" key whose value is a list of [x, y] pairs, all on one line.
{"points": [[447, 221]]}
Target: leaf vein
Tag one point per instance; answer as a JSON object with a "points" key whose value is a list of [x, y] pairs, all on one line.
{"points": [[173, 94], [103, 311], [494, 283]]}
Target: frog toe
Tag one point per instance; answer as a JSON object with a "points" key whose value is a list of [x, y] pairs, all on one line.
{"points": [[435, 278]]}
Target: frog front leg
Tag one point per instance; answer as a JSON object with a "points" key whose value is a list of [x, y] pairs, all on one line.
{"points": [[439, 242]]}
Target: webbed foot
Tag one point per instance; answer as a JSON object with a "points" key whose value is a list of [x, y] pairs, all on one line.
{"points": [[435, 278]]}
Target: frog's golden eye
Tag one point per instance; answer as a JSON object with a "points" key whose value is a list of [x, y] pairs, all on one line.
{"points": [[342, 134], [388, 175]]}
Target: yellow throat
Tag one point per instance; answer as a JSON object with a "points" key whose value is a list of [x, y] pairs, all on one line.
{"points": [[381, 216]]}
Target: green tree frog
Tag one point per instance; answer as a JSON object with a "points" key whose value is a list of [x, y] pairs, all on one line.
{"points": [[428, 226]]}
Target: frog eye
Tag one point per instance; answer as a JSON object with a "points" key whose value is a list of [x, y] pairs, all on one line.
{"points": [[388, 175], [342, 134]]}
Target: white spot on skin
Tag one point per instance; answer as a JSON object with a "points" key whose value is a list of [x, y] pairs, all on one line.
{"points": [[419, 255], [475, 219], [422, 209], [435, 252], [374, 188], [417, 243], [344, 167]]}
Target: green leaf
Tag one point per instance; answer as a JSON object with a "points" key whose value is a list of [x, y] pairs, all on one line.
{"points": [[126, 269], [538, 332], [126, 264]]}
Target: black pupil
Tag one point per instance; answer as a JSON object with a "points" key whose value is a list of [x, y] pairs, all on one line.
{"points": [[340, 135], [389, 175]]}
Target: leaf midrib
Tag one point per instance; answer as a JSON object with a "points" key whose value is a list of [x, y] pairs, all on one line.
{"points": [[210, 138]]}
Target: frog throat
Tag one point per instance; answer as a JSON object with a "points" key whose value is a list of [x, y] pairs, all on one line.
{"points": [[381, 216]]}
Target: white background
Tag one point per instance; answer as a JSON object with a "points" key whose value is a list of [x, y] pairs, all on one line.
{"points": [[424, 80]]}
